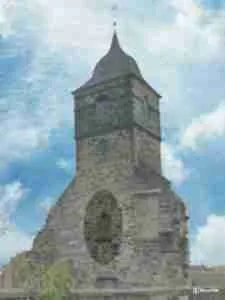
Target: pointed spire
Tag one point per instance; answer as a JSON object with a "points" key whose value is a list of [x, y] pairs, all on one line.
{"points": [[115, 63], [115, 41]]}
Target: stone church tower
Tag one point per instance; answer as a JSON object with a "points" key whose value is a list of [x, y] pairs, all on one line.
{"points": [[119, 221]]}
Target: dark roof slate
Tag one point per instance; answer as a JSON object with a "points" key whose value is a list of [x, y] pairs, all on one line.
{"points": [[114, 64]]}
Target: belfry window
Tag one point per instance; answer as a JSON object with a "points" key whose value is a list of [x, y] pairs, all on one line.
{"points": [[148, 110], [102, 105], [102, 98]]}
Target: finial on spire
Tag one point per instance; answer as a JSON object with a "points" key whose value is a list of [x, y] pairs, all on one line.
{"points": [[115, 15]]}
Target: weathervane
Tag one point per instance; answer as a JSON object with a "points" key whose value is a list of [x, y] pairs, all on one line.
{"points": [[115, 15]]}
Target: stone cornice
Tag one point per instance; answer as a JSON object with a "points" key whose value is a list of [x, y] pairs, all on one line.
{"points": [[142, 80], [148, 131], [103, 85], [80, 91], [141, 99]]}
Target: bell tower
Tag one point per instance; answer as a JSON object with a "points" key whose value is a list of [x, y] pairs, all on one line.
{"points": [[119, 169], [115, 100]]}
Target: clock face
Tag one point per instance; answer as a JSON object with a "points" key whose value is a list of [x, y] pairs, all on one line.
{"points": [[103, 227]]}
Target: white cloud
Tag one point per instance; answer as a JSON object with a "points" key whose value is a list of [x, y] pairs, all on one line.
{"points": [[12, 243], [14, 13], [10, 196], [205, 128], [12, 240], [22, 137], [208, 246], [72, 24], [5, 29], [46, 204], [194, 35], [23, 132], [173, 166], [65, 164]]}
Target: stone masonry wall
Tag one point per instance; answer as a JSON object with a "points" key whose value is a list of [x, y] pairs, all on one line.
{"points": [[148, 255], [147, 150]]}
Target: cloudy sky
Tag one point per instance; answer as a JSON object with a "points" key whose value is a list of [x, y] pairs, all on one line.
{"points": [[48, 48]]}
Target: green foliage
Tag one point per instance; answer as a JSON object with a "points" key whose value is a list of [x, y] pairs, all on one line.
{"points": [[21, 268], [26, 272], [57, 281], [52, 282]]}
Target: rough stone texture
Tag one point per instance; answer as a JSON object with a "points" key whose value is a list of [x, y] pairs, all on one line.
{"points": [[147, 257], [208, 277], [126, 162], [146, 150], [119, 153]]}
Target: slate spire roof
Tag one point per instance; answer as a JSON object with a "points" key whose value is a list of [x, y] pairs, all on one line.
{"points": [[114, 64]]}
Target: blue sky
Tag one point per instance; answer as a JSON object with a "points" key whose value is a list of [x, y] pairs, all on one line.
{"points": [[48, 48]]}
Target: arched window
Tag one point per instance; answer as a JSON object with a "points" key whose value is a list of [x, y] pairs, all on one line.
{"points": [[103, 108], [104, 228]]}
